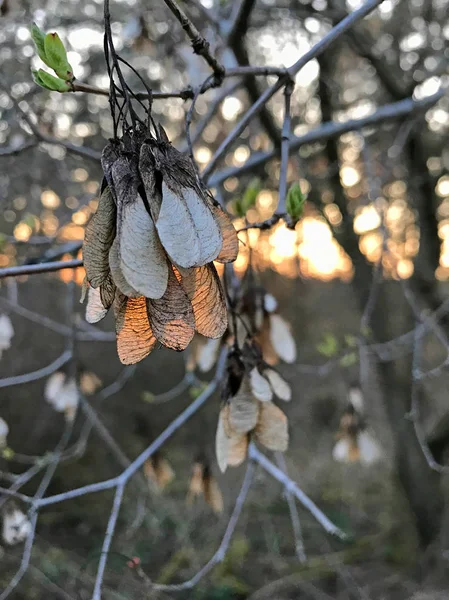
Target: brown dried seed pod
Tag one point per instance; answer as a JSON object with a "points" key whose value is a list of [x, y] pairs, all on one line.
{"points": [[237, 449], [212, 493], [158, 471], [264, 340], [230, 247], [107, 292], [196, 484], [171, 317], [108, 158], [98, 238], [244, 410], [272, 427], [135, 339], [208, 302], [89, 383]]}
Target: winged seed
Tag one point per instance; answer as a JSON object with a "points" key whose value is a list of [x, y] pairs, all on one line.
{"points": [[142, 257], [95, 311], [206, 295], [98, 238], [177, 230], [171, 317], [135, 339]]}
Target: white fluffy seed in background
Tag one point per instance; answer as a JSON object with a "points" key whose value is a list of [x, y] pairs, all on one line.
{"points": [[6, 333], [270, 303], [4, 430], [278, 384], [16, 526], [356, 399], [370, 451], [62, 394], [208, 354], [260, 387], [282, 339]]}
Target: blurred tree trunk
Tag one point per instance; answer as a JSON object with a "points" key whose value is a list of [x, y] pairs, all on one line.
{"points": [[420, 484]]}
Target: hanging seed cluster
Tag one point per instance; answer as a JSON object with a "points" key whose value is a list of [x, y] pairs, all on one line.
{"points": [[149, 249], [248, 411], [259, 318], [354, 442]]}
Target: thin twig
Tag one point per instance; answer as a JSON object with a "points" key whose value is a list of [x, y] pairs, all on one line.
{"points": [[40, 268], [285, 150], [199, 44], [294, 516], [315, 51], [152, 448], [107, 541], [331, 129], [292, 487], [63, 359], [223, 547]]}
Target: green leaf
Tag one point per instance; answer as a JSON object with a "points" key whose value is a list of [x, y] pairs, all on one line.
{"points": [[329, 346], [351, 340], [348, 360], [295, 201], [56, 57], [38, 38], [8, 453], [195, 391], [249, 198], [50, 82], [250, 195], [147, 397]]}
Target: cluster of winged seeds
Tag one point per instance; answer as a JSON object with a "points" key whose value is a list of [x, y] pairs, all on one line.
{"points": [[258, 317], [149, 249], [248, 411], [355, 443]]}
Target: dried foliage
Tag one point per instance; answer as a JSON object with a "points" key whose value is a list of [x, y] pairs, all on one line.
{"points": [[150, 247]]}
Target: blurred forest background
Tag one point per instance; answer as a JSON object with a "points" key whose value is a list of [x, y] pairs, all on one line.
{"points": [[359, 279]]}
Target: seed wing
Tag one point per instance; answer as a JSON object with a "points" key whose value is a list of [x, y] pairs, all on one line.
{"points": [[142, 258], [204, 289], [135, 339], [171, 316], [98, 238], [230, 247], [117, 274], [272, 427], [95, 311], [206, 227]]}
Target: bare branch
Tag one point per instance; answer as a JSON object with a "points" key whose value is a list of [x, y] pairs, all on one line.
{"points": [[285, 150], [199, 44], [292, 487], [320, 47], [40, 268], [107, 541], [294, 517], [331, 129], [63, 359], [223, 547]]}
